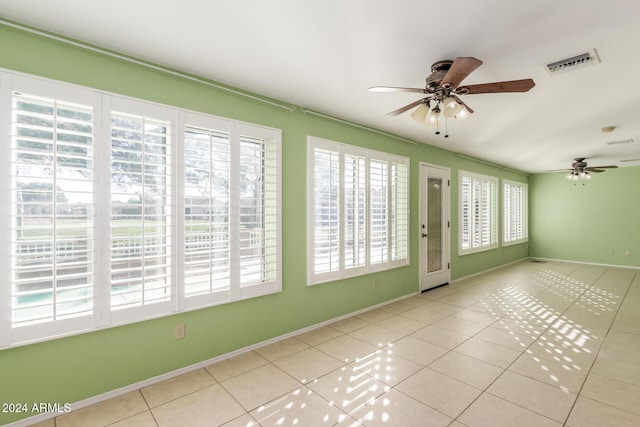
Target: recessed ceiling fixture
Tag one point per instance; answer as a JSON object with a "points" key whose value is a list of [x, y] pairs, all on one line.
{"points": [[574, 62], [442, 89], [608, 129]]}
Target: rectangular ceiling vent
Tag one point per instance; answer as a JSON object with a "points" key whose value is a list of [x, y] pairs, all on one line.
{"points": [[573, 63], [620, 141]]}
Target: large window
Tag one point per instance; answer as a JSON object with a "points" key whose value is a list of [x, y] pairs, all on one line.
{"points": [[515, 213], [118, 210], [478, 212], [358, 204]]}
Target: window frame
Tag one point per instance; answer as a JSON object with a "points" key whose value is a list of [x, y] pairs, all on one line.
{"points": [[483, 209], [521, 206], [103, 104], [395, 235]]}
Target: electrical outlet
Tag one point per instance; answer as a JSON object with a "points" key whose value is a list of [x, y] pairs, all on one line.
{"points": [[612, 252], [627, 253], [179, 331], [375, 283]]}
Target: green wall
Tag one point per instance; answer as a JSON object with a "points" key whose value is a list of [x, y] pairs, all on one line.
{"points": [[78, 367], [586, 222]]}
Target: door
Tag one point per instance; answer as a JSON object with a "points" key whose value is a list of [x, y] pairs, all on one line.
{"points": [[435, 226]]}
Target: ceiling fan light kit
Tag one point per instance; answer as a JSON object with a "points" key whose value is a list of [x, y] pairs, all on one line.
{"points": [[442, 89], [580, 170]]}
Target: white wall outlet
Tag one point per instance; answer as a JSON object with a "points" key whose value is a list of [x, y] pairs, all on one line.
{"points": [[627, 253], [179, 331]]}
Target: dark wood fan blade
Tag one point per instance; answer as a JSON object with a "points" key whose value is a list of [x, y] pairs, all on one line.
{"points": [[596, 170], [396, 89], [405, 108], [600, 167], [459, 70], [497, 87]]}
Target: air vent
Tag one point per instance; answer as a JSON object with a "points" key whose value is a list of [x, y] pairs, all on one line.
{"points": [[620, 141], [580, 60]]}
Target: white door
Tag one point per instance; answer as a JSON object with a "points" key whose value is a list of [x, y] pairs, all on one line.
{"points": [[435, 226]]}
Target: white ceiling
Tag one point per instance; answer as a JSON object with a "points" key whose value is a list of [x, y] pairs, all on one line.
{"points": [[325, 54]]}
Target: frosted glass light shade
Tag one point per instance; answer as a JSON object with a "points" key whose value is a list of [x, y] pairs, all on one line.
{"points": [[431, 119], [419, 113], [451, 107], [463, 113]]}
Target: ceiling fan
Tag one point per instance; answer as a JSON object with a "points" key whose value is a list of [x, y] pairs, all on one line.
{"points": [[443, 88], [580, 171]]}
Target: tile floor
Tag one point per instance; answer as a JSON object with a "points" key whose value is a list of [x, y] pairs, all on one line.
{"points": [[531, 344]]}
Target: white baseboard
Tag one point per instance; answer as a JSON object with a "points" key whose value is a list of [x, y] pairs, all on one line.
{"points": [[600, 264], [154, 380]]}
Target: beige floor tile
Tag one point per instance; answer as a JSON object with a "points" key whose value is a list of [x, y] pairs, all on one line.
{"points": [[416, 350], [144, 419], [519, 326], [396, 307], [259, 386], [308, 364], [301, 407], [385, 366], [348, 389], [534, 395], [349, 324], [373, 316], [233, 366], [173, 388], [505, 338], [210, 406], [394, 408], [478, 317], [565, 376], [439, 391], [441, 337], [591, 413], [488, 352], [423, 314], [617, 370], [281, 349], [346, 348], [615, 393], [402, 324], [376, 335], [443, 308], [575, 357], [319, 335], [461, 326], [104, 413], [470, 371], [491, 411], [245, 420]]}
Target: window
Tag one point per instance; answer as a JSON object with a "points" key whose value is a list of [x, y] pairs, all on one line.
{"points": [[358, 202], [123, 210], [515, 213], [478, 212]]}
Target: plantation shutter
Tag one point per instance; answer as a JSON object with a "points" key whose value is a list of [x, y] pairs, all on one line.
{"points": [[515, 212], [478, 212], [52, 246], [141, 210]]}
